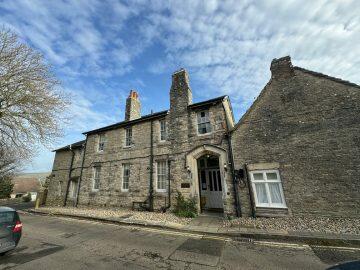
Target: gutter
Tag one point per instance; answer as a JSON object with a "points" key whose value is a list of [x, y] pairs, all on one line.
{"points": [[69, 177], [231, 159], [81, 173]]}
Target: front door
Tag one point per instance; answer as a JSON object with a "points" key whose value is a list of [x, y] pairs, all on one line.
{"points": [[211, 188]]}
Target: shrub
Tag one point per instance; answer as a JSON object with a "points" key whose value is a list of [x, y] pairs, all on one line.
{"points": [[185, 207], [6, 187], [26, 198]]}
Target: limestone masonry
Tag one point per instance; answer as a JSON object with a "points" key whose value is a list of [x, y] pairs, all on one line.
{"points": [[296, 151]]}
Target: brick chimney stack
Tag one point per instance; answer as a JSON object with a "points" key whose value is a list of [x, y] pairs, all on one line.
{"points": [[133, 106], [281, 68]]}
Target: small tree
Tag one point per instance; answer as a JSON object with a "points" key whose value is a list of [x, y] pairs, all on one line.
{"points": [[31, 105], [6, 187]]}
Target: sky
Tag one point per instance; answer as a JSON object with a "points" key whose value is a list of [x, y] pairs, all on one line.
{"points": [[99, 50]]}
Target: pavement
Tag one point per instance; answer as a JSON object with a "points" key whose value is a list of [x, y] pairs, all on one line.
{"points": [[54, 242]]}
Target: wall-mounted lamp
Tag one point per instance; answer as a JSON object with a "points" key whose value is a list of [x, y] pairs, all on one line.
{"points": [[189, 172], [225, 166]]}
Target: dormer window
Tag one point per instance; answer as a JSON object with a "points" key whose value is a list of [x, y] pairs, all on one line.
{"points": [[128, 136], [102, 141], [203, 122]]}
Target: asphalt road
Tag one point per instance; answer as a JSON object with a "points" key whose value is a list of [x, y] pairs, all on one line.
{"points": [[63, 243]]}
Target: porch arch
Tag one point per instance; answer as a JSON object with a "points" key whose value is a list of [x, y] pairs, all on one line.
{"points": [[191, 166]]}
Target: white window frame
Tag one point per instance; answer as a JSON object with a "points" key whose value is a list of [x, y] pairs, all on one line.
{"points": [[101, 143], [266, 182], [203, 120], [161, 175], [128, 140], [96, 177], [125, 177], [163, 130]]}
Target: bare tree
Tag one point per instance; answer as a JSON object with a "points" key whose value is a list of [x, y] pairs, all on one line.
{"points": [[31, 104]]}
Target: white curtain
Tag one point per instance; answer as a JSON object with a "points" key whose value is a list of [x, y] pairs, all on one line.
{"points": [[275, 193], [261, 193]]}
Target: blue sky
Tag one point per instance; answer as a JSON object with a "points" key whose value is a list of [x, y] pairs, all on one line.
{"points": [[102, 49]]}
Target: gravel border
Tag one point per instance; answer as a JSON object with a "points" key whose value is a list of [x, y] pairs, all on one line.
{"points": [[118, 213], [303, 224]]}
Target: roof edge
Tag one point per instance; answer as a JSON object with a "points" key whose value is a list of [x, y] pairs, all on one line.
{"points": [[318, 74], [73, 146]]}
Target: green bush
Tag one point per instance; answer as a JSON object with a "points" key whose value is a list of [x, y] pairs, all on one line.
{"points": [[185, 207], [6, 187], [27, 197]]}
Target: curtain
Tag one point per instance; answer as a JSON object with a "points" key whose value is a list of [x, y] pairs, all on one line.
{"points": [[261, 193], [275, 193]]}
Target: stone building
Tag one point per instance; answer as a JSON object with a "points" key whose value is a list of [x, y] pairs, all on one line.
{"points": [[299, 145], [294, 152], [144, 160]]}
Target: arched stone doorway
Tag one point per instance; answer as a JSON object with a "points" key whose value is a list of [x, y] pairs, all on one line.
{"points": [[207, 167]]}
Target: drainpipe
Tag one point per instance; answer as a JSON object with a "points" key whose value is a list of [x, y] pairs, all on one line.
{"points": [[169, 195], [151, 188], [81, 173], [69, 177], [231, 159], [253, 212]]}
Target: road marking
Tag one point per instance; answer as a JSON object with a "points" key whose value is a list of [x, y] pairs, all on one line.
{"points": [[281, 244], [340, 248]]}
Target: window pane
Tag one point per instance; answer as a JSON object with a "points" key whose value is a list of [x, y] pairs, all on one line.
{"points": [[128, 138], [215, 181], [208, 127], [210, 181], [258, 176], [275, 193], [271, 176], [161, 175], [203, 180], [261, 193], [126, 176], [219, 180], [6, 217], [162, 130]]}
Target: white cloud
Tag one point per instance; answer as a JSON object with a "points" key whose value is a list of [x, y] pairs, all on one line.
{"points": [[228, 45]]}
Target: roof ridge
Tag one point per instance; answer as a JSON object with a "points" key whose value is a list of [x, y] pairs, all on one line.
{"points": [[319, 74]]}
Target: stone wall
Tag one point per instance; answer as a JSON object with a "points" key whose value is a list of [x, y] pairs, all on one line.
{"points": [[183, 138], [60, 175], [309, 124]]}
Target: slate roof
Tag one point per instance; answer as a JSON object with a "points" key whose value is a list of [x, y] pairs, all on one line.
{"points": [[73, 146], [155, 116]]}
